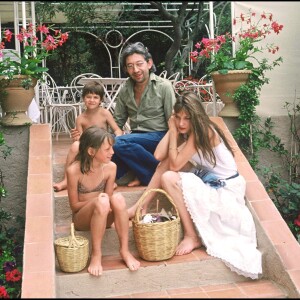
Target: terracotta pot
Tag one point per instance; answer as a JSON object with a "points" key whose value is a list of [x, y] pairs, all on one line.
{"points": [[225, 85], [16, 101]]}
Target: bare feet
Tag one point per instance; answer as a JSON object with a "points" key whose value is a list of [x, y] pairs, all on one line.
{"points": [[134, 182], [132, 263], [95, 267], [187, 245], [62, 185], [131, 212]]}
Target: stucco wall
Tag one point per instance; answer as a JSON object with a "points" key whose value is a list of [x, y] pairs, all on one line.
{"points": [[15, 169], [284, 83]]}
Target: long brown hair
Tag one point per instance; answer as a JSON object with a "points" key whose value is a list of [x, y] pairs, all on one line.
{"points": [[190, 103], [94, 137]]}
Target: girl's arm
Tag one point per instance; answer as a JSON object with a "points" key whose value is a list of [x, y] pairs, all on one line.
{"points": [[161, 151], [111, 170], [73, 174], [112, 123]]}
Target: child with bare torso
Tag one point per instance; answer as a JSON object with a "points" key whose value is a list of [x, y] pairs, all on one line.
{"points": [[94, 206], [92, 95]]}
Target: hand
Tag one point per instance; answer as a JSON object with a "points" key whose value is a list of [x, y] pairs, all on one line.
{"points": [[75, 134], [172, 124]]}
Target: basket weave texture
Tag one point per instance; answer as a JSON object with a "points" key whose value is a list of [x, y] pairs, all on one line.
{"points": [[156, 241], [72, 252]]}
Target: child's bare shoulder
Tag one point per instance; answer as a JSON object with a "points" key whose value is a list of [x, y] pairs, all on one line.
{"points": [[73, 168], [103, 111], [81, 117], [111, 166]]}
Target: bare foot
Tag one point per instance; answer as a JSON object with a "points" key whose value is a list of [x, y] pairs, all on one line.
{"points": [[134, 182], [131, 212], [62, 185], [187, 245], [132, 263], [95, 267]]}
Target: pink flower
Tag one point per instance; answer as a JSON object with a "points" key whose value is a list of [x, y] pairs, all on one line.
{"points": [[219, 49], [35, 49]]}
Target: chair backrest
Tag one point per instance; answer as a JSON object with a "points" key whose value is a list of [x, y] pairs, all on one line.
{"points": [[205, 89], [174, 78], [77, 87], [185, 85], [48, 91], [163, 74]]}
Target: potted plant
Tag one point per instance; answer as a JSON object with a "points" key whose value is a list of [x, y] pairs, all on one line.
{"points": [[233, 69], [19, 73]]}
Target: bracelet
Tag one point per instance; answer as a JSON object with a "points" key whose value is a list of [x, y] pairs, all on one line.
{"points": [[170, 148]]}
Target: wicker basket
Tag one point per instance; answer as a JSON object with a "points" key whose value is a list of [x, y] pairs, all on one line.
{"points": [[72, 252], [156, 241]]}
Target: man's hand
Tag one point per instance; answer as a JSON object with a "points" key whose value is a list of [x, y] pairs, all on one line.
{"points": [[75, 134]]}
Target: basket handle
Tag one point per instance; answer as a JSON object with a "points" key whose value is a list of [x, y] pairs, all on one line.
{"points": [[72, 240], [140, 202]]}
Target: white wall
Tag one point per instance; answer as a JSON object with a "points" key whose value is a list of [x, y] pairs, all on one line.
{"points": [[284, 79]]}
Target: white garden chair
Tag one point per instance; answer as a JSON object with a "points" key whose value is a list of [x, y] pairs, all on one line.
{"points": [[174, 78], [56, 110], [163, 74]]}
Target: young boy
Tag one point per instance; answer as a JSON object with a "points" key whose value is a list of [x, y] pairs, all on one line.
{"points": [[92, 95]]}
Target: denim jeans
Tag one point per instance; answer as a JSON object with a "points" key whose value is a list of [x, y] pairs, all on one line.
{"points": [[134, 152], [209, 177]]}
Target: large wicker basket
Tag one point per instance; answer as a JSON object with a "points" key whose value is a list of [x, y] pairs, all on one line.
{"points": [[72, 252], [156, 241]]}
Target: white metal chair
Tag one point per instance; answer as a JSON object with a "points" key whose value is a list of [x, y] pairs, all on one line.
{"points": [[57, 110], [204, 90], [185, 85], [210, 99], [174, 78], [163, 74]]}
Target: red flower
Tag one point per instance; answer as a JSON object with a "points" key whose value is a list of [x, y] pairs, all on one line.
{"points": [[3, 293], [14, 275], [297, 221]]}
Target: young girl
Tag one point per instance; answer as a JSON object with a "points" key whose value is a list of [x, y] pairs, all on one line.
{"points": [[92, 95], [91, 180], [199, 172]]}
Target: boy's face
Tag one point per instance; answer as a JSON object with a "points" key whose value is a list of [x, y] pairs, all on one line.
{"points": [[92, 100]]}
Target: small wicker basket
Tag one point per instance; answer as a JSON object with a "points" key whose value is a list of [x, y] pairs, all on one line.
{"points": [[72, 252], [156, 241]]}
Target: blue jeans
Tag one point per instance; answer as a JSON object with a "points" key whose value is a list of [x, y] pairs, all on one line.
{"points": [[134, 152]]}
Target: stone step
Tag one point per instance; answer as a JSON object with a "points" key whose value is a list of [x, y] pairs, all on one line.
{"points": [[193, 270]]}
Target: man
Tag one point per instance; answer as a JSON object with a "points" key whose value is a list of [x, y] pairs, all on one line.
{"points": [[146, 101]]}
